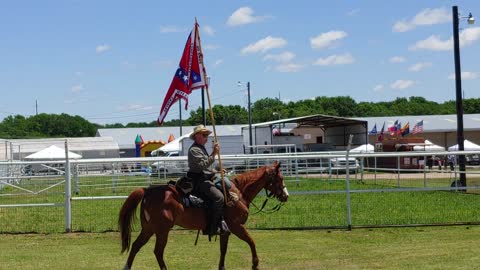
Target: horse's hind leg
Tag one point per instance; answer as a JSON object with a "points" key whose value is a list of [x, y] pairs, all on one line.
{"points": [[223, 250], [141, 240], [242, 233], [160, 244]]}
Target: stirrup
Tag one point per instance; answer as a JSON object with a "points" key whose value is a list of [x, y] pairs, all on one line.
{"points": [[223, 228]]}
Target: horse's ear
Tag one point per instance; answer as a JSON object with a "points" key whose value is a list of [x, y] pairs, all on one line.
{"points": [[276, 164]]}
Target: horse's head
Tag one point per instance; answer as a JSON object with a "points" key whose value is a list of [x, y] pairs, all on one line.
{"points": [[275, 183]]}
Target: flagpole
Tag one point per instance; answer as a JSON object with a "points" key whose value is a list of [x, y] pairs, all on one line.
{"points": [[212, 118]]}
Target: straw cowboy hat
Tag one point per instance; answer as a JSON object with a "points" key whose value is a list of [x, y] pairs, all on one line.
{"points": [[199, 129]]}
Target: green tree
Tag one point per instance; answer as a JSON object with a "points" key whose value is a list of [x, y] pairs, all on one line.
{"points": [[263, 110]]}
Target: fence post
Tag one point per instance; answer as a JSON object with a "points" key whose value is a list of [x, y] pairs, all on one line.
{"points": [[68, 192], [425, 171], [76, 188], [296, 168], [398, 171], [361, 169], [349, 208]]}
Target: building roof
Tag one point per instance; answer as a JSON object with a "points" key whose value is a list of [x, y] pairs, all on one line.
{"points": [[74, 144], [125, 137], [316, 120], [431, 123]]}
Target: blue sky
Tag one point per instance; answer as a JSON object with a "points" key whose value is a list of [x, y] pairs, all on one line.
{"points": [[112, 61]]}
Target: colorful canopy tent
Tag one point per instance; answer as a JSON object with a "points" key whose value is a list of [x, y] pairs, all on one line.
{"points": [[429, 146], [468, 146], [365, 148], [52, 152]]}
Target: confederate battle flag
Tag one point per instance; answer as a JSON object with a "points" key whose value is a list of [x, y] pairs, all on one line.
{"points": [[190, 74]]}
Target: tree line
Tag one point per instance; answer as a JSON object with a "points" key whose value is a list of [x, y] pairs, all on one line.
{"points": [[266, 109]]}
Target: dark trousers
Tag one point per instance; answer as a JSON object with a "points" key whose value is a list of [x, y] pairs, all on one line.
{"points": [[206, 189]]}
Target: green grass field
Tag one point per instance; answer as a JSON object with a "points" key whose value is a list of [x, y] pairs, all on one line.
{"points": [[451, 247]]}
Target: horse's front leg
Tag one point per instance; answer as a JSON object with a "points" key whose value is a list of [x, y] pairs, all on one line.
{"points": [[223, 250], [242, 233]]}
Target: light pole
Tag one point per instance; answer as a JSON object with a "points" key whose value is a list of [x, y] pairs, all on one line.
{"points": [[458, 88], [249, 117], [279, 125]]}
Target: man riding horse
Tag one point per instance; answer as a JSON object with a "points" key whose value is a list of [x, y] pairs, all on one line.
{"points": [[202, 173]]}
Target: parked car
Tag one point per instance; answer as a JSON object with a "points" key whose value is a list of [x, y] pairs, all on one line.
{"points": [[472, 159], [169, 167], [340, 164]]}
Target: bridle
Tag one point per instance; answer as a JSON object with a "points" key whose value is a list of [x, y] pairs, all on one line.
{"points": [[269, 194]]}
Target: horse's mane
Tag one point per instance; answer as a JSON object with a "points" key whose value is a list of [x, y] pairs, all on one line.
{"points": [[244, 179]]}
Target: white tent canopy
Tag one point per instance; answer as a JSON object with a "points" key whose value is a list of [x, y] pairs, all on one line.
{"points": [[173, 146], [429, 146], [365, 148], [52, 152], [468, 146]]}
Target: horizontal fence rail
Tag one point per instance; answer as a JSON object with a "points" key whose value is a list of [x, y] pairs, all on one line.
{"points": [[385, 189]]}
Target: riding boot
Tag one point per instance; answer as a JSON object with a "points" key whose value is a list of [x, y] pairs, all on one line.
{"points": [[217, 224]]}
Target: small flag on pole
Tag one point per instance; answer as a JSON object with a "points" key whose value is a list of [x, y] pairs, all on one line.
{"points": [[405, 130], [374, 130], [418, 128], [190, 74], [393, 129], [380, 136]]}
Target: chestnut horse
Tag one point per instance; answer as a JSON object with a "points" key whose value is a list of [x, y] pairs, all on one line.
{"points": [[161, 209]]}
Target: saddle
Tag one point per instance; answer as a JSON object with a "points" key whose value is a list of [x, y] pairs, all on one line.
{"points": [[185, 186]]}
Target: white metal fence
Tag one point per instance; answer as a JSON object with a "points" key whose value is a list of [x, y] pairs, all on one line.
{"points": [[86, 195]]}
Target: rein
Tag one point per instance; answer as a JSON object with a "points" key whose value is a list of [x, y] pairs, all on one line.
{"points": [[269, 211], [269, 195]]}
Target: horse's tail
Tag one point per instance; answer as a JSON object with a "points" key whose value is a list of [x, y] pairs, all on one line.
{"points": [[127, 216]]}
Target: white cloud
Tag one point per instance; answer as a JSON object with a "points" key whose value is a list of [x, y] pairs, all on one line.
{"points": [[434, 43], [397, 59], [171, 29], [210, 47], [327, 39], [284, 57], [378, 87], [353, 12], [79, 73], [288, 67], [208, 30], [402, 84], [264, 45], [466, 75], [343, 59], [427, 16], [243, 15], [419, 66], [218, 62], [102, 48], [76, 88]]}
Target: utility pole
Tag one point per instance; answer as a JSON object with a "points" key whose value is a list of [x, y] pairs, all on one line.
{"points": [[458, 101], [36, 107], [249, 118], [204, 119]]}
